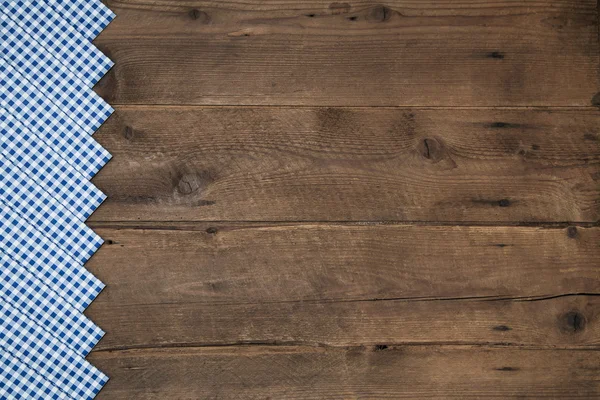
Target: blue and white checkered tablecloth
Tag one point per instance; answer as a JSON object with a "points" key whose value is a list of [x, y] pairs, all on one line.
{"points": [[19, 381], [57, 223], [35, 347], [44, 306], [48, 114], [52, 78], [47, 168], [57, 129], [58, 36], [89, 17], [26, 245]]}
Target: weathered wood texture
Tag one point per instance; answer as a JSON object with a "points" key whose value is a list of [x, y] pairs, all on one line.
{"points": [[400, 52], [327, 284], [427, 372], [330, 164], [564, 322], [340, 200]]}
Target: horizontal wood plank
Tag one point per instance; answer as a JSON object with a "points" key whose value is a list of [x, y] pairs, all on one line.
{"points": [[247, 264], [570, 321], [400, 52], [344, 164], [365, 373]]}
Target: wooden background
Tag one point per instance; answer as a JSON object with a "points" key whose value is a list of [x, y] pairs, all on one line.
{"points": [[350, 200]]}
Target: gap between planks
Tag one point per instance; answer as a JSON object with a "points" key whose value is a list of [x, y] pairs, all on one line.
{"points": [[400, 107], [201, 225], [328, 347]]}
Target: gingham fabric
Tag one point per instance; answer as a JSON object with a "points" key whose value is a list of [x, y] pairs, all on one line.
{"points": [[88, 17], [56, 35], [28, 293], [48, 114], [57, 129], [18, 381], [47, 168], [26, 245], [52, 359], [19, 191], [49, 76], [50, 217]]}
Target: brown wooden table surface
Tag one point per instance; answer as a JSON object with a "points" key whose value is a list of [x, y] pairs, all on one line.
{"points": [[350, 200]]}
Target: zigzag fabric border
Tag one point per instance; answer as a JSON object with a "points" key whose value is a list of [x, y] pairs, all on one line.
{"points": [[48, 114]]}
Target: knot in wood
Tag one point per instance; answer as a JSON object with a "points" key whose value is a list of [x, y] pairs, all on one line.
{"points": [[573, 322], [198, 15], [381, 13], [431, 149], [128, 133]]}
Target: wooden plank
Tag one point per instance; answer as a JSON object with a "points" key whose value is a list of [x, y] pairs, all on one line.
{"points": [[401, 52], [558, 322], [328, 164], [356, 373], [246, 264]]}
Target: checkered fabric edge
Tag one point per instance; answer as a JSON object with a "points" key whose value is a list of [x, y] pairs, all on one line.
{"points": [[27, 151], [88, 17], [37, 349], [58, 130], [51, 77], [57, 223], [29, 294], [59, 37], [26, 245]]}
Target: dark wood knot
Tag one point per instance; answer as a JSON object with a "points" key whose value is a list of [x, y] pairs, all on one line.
{"points": [[431, 149], [507, 369], [573, 322], [502, 328], [188, 184], [504, 203], [128, 133], [381, 13], [198, 15], [496, 54]]}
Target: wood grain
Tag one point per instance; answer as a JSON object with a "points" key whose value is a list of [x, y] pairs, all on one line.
{"points": [[429, 372], [341, 164], [570, 321], [401, 52], [256, 264], [350, 200]]}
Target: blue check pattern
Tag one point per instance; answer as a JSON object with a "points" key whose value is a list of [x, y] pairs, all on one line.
{"points": [[50, 217], [25, 291], [58, 130], [48, 155], [18, 381], [55, 361], [55, 81], [47, 168], [59, 37], [88, 17], [28, 246]]}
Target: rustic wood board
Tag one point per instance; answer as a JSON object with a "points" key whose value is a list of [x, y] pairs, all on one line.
{"points": [[428, 372], [341, 164], [344, 200], [430, 53], [348, 285]]}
